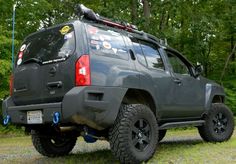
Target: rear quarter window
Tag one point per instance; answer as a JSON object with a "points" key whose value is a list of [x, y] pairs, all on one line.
{"points": [[152, 55], [139, 52], [106, 41]]}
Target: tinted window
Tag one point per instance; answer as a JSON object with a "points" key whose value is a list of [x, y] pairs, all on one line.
{"points": [[152, 55], [53, 44], [178, 65], [106, 41], [139, 53]]}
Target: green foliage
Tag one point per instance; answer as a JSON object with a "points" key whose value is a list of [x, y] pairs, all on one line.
{"points": [[5, 69], [230, 88], [11, 130], [5, 61]]}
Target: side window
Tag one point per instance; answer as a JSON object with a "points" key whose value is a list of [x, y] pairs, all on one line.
{"points": [[139, 52], [106, 41], [178, 65], [152, 55]]}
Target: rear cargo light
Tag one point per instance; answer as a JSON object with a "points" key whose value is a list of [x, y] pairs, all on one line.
{"points": [[11, 85], [82, 71]]}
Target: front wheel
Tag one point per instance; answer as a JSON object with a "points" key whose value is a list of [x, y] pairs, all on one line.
{"points": [[134, 135], [53, 146], [219, 125]]}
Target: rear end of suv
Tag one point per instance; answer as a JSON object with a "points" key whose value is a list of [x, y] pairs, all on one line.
{"points": [[64, 82], [60, 77]]}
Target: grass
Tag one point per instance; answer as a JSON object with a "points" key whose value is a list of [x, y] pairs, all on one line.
{"points": [[179, 146], [194, 150], [11, 130]]}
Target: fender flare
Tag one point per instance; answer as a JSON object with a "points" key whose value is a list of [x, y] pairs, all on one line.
{"points": [[211, 91]]}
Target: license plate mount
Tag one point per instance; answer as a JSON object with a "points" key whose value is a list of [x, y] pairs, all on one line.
{"points": [[34, 117]]}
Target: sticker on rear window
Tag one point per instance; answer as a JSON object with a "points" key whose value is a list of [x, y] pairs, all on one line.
{"points": [[19, 61], [102, 38], [92, 30], [114, 50], [65, 30], [68, 36], [106, 45], [20, 55], [94, 42], [23, 47]]}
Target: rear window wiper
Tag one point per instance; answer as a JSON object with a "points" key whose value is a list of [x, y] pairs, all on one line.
{"points": [[33, 60]]}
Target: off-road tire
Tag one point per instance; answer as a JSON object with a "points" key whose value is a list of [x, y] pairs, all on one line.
{"points": [[52, 146], [162, 134], [219, 125], [134, 135]]}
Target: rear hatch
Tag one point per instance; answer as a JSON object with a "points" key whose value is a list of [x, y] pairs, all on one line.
{"points": [[44, 69]]}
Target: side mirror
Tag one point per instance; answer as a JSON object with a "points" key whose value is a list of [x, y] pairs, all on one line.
{"points": [[198, 69]]}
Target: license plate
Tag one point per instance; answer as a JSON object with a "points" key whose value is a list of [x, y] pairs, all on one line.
{"points": [[34, 117]]}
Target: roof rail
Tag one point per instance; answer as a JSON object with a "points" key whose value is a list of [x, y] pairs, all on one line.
{"points": [[84, 12]]}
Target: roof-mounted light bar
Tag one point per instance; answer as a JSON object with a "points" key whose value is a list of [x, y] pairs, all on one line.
{"points": [[84, 12]]}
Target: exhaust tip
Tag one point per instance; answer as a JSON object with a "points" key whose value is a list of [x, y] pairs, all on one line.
{"points": [[6, 120], [56, 118]]}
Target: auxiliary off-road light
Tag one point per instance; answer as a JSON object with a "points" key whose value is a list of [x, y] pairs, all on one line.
{"points": [[56, 118], [6, 120]]}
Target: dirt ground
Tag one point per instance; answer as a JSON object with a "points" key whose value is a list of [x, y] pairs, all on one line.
{"points": [[175, 148]]}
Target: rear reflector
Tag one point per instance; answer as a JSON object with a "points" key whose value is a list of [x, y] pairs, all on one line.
{"points": [[82, 71], [11, 85]]}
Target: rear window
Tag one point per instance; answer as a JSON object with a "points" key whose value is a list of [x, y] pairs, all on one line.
{"points": [[48, 46], [107, 42]]}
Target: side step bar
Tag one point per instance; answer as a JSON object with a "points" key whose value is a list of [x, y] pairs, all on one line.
{"points": [[170, 125]]}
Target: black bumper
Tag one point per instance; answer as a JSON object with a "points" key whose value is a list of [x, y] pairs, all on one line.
{"points": [[96, 107]]}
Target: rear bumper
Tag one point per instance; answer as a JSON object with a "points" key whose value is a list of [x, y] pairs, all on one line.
{"points": [[96, 107], [18, 114]]}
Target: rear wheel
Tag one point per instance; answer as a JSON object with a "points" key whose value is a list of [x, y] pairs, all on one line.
{"points": [[219, 125], [53, 146], [134, 136], [161, 135]]}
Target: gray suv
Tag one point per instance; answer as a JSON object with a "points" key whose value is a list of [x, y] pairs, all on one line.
{"points": [[100, 79]]}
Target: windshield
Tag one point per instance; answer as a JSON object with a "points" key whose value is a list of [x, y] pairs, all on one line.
{"points": [[48, 46]]}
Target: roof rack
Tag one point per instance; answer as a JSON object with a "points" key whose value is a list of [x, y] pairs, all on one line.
{"points": [[84, 12], [89, 14]]}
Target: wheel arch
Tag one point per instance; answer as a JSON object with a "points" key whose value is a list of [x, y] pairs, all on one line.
{"points": [[215, 99], [214, 94], [141, 97], [218, 99]]}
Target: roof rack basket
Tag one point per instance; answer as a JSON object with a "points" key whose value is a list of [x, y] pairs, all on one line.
{"points": [[84, 12]]}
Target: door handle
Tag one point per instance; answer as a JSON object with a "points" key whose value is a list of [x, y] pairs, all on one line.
{"points": [[178, 81], [55, 84]]}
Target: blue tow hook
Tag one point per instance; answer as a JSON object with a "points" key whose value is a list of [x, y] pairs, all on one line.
{"points": [[56, 118], [6, 120]]}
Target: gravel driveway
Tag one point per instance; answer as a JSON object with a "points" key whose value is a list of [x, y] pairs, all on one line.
{"points": [[20, 149]]}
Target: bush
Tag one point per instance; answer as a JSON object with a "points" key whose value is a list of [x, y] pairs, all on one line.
{"points": [[9, 129], [230, 89], [1, 119]]}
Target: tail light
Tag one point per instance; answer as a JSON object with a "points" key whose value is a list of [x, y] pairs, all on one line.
{"points": [[82, 71], [11, 84]]}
